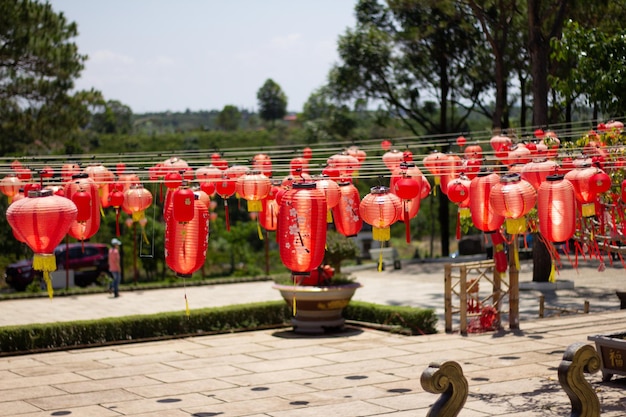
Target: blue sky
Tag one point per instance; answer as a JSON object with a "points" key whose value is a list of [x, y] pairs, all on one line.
{"points": [[160, 55]]}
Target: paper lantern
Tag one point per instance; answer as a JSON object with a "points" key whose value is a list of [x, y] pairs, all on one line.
{"points": [[225, 188], [302, 228], [407, 188], [87, 228], [392, 159], [345, 163], [307, 153], [268, 217], [183, 202], [346, 215], [254, 187], [331, 191], [412, 206], [512, 198], [385, 145], [41, 221], [380, 208], [483, 215], [519, 154], [450, 166], [10, 186], [298, 166], [556, 209], [459, 194], [585, 194], [500, 142], [432, 163], [461, 141], [186, 243], [536, 171], [262, 163], [136, 200], [116, 200], [209, 173], [474, 151]]}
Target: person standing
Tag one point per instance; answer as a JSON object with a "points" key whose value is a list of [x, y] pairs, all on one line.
{"points": [[114, 266]]}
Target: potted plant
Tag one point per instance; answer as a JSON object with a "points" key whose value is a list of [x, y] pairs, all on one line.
{"points": [[318, 299]]}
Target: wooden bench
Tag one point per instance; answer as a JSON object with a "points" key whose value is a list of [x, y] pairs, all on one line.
{"points": [[390, 257]]}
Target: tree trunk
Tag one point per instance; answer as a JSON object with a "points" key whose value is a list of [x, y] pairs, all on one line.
{"points": [[542, 262]]}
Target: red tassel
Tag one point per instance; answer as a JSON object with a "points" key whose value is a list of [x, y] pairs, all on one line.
{"points": [[226, 215], [117, 222], [407, 223], [458, 226]]}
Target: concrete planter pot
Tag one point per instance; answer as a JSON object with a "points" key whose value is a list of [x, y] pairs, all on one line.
{"points": [[317, 309], [612, 351]]}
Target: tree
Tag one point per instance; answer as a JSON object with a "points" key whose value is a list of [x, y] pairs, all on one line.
{"points": [[113, 117], [408, 54], [38, 66], [229, 118], [272, 102]]}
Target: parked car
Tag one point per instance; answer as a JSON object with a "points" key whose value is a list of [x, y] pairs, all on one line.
{"points": [[88, 261]]}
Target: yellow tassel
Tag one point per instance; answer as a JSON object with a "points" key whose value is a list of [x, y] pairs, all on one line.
{"points": [[46, 278], [145, 237], [380, 259], [516, 258], [255, 206], [258, 228], [138, 215], [187, 312], [45, 263], [552, 277], [329, 216]]}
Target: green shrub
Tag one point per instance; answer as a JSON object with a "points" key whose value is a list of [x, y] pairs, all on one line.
{"points": [[76, 334]]}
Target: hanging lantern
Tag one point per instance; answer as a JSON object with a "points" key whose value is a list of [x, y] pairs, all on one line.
{"points": [[209, 173], [600, 182], [392, 159], [331, 191], [136, 200], [461, 141], [512, 198], [450, 166], [552, 142], [459, 194], [268, 217], [581, 180], [432, 163], [173, 180], [483, 215], [254, 187], [474, 151], [346, 213], [186, 243], [83, 230], [385, 145], [499, 143], [536, 171], [41, 221], [69, 170], [262, 163], [412, 206], [10, 186], [225, 189], [183, 204], [298, 166], [82, 200], [556, 209], [345, 163], [116, 200], [302, 228], [307, 153], [380, 208], [407, 188], [519, 154]]}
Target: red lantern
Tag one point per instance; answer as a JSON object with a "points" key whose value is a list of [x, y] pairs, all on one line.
{"points": [[262, 163], [346, 213], [499, 143], [581, 180], [512, 198], [519, 154], [41, 221], [225, 189], [331, 191], [183, 204], [380, 208], [432, 163], [173, 180], [600, 182], [307, 153], [186, 243], [407, 188], [450, 166], [116, 200], [83, 230], [474, 151], [537, 171], [210, 173], [393, 159], [459, 194], [483, 215], [136, 200], [10, 186], [268, 217], [461, 141], [82, 200], [556, 209], [302, 228], [345, 163], [254, 187], [298, 166], [385, 145]]}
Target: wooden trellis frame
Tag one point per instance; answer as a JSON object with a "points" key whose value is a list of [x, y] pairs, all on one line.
{"points": [[463, 280]]}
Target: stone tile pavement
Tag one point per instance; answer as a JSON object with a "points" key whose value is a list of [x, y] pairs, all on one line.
{"points": [[358, 372]]}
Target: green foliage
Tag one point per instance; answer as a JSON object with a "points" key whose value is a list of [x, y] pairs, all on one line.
{"points": [[338, 249], [229, 118], [272, 102], [418, 321], [114, 117], [38, 66], [64, 335]]}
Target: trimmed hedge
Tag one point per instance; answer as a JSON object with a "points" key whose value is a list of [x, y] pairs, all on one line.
{"points": [[116, 330]]}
